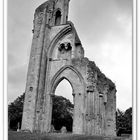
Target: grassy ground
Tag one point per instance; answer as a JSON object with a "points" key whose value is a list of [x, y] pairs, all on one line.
{"points": [[13, 135]]}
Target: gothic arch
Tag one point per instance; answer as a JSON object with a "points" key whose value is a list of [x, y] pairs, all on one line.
{"points": [[58, 16], [55, 80], [76, 81], [57, 37], [58, 81]]}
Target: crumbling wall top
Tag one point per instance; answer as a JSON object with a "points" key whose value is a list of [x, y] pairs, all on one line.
{"points": [[101, 80], [43, 6]]}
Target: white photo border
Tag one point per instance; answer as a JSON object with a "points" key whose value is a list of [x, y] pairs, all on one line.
{"points": [[4, 77]]}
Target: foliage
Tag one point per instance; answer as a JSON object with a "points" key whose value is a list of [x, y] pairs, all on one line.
{"points": [[124, 121], [61, 114], [15, 110]]}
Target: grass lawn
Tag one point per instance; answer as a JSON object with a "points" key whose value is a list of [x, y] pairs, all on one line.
{"points": [[13, 135]]}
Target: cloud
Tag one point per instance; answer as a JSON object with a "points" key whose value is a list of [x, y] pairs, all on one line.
{"points": [[20, 24], [16, 81]]}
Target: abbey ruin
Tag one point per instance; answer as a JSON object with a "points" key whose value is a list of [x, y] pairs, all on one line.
{"points": [[57, 54]]}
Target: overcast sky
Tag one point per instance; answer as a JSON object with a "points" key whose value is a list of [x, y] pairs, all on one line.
{"points": [[105, 30]]}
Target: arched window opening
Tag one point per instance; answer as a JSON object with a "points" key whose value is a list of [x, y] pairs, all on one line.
{"points": [[58, 18], [62, 110]]}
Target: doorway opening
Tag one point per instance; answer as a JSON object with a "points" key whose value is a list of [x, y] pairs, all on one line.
{"points": [[62, 107]]}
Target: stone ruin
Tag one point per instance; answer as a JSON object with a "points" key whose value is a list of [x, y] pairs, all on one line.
{"points": [[57, 54]]}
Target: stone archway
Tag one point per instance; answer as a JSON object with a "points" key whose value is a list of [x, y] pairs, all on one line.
{"points": [[63, 107], [77, 84]]}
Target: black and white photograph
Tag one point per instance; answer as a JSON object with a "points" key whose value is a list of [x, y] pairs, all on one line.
{"points": [[70, 70]]}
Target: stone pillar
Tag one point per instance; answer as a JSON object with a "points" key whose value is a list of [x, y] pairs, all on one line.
{"points": [[102, 115], [47, 115], [90, 112], [93, 113], [97, 113], [78, 116], [33, 73], [111, 114]]}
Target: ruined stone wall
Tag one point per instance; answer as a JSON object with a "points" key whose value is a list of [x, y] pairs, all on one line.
{"points": [[36, 77], [100, 99], [57, 53], [52, 6], [103, 92]]}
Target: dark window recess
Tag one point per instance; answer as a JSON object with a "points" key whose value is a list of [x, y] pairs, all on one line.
{"points": [[66, 17], [58, 18], [49, 21], [77, 43], [65, 47], [50, 59], [31, 89], [61, 47], [68, 46]]}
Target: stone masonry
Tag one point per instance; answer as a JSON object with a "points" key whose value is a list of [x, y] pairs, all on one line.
{"points": [[57, 54]]}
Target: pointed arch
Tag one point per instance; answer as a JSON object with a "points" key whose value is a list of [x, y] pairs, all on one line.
{"points": [[74, 77], [65, 31], [59, 81], [58, 17], [55, 80]]}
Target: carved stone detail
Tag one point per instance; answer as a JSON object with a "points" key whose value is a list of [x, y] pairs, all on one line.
{"points": [[65, 47]]}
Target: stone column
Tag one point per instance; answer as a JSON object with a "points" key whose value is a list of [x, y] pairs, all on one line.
{"points": [[90, 112], [96, 129], [78, 117], [93, 113], [33, 72], [101, 114], [47, 115], [111, 113]]}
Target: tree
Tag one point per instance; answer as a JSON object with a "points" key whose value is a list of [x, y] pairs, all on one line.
{"points": [[15, 110], [128, 117], [62, 113], [124, 121]]}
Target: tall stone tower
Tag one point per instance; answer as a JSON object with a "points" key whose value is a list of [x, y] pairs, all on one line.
{"points": [[57, 54]]}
